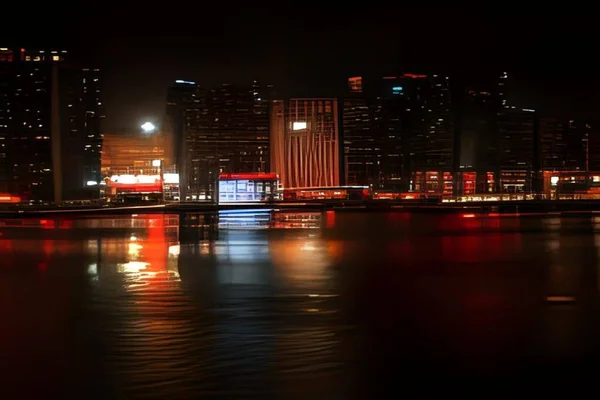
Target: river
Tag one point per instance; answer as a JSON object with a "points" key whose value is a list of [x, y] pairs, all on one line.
{"points": [[349, 305]]}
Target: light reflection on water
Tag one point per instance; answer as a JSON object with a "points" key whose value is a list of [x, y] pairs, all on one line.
{"points": [[365, 304]]}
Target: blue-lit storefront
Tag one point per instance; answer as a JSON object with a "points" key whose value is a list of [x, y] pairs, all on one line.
{"points": [[248, 187]]}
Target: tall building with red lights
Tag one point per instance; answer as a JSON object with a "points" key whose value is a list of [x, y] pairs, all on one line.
{"points": [[305, 144], [398, 133]]}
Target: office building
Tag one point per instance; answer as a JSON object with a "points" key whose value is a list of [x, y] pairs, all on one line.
{"points": [[305, 143], [185, 104], [50, 116], [398, 133], [517, 150], [223, 130], [362, 152]]}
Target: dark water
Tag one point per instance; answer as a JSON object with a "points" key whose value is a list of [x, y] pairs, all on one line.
{"points": [[366, 306]]}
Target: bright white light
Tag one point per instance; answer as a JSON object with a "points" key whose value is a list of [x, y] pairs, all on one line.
{"points": [[171, 178], [156, 163], [174, 250], [133, 266], [148, 127], [92, 183], [553, 180], [296, 126]]}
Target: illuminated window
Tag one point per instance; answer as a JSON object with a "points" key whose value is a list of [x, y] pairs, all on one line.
{"points": [[296, 126], [55, 58]]}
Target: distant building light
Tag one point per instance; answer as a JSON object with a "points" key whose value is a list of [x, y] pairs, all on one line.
{"points": [[186, 82], [92, 183], [528, 110], [156, 163], [298, 126]]}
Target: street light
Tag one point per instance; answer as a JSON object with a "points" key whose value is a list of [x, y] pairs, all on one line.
{"points": [[148, 127]]}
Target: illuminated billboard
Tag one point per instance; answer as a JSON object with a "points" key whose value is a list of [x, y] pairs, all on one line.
{"points": [[134, 179], [136, 183]]}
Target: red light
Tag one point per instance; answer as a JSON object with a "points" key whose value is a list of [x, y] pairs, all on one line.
{"points": [[493, 215], [249, 176], [330, 219], [468, 215]]}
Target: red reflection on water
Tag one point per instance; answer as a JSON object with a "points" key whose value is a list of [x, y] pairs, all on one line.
{"points": [[461, 248], [155, 248], [65, 224], [47, 223], [330, 219], [398, 216]]}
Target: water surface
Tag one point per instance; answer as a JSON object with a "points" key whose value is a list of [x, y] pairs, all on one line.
{"points": [[360, 306]]}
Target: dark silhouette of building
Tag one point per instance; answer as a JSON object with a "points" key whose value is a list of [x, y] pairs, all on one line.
{"points": [[517, 150], [225, 129], [398, 133], [185, 104], [50, 116]]}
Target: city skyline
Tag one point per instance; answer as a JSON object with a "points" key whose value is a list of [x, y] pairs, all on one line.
{"points": [[141, 58]]}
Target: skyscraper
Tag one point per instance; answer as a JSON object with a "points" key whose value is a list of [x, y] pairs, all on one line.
{"points": [[517, 150], [305, 142], [225, 129], [50, 114], [185, 104], [399, 129]]}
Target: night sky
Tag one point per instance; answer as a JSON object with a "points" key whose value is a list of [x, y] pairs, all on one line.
{"points": [[310, 51]]}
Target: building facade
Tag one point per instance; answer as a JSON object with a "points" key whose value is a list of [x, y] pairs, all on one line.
{"points": [[398, 133], [305, 142], [50, 116], [219, 130]]}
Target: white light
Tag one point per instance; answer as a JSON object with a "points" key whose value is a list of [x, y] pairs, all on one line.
{"points": [[296, 126], [148, 127], [553, 180], [186, 82], [92, 183], [174, 250], [133, 266], [156, 163], [171, 178]]}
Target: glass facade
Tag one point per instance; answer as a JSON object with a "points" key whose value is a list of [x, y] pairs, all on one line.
{"points": [[247, 189]]}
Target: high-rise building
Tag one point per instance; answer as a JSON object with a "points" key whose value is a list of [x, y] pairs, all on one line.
{"points": [[398, 130], [477, 117], [50, 115], [305, 142], [362, 152], [185, 105], [499, 143], [517, 150], [225, 129]]}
